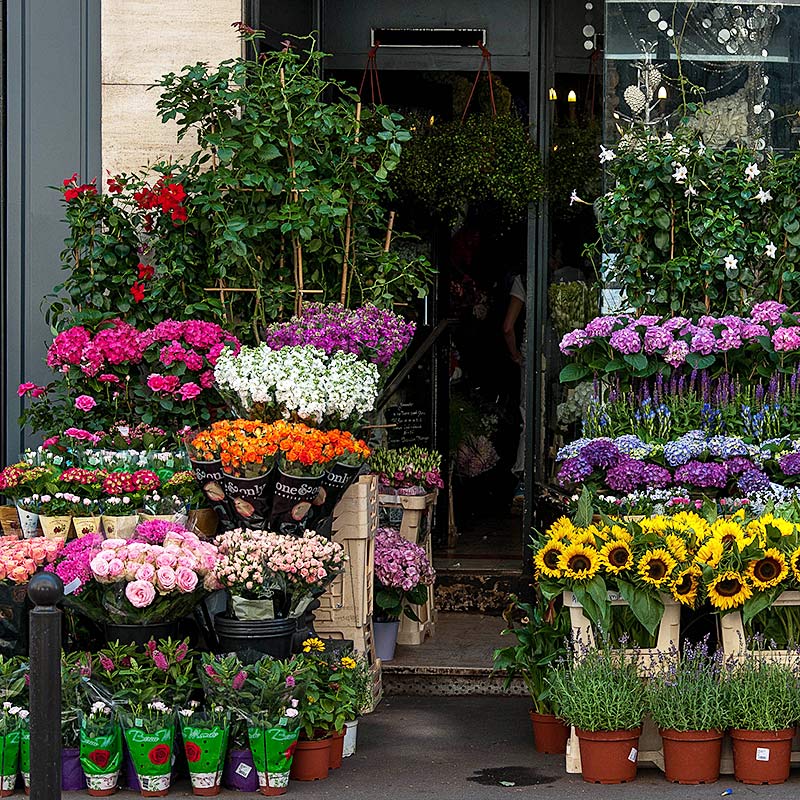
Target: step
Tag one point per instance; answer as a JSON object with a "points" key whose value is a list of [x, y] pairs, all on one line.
{"points": [[478, 591], [447, 681]]}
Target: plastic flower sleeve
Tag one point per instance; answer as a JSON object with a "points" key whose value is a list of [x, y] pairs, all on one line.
{"points": [[273, 748], [294, 497], [251, 498], [25, 752], [150, 739], [205, 742], [209, 476], [101, 752], [336, 480], [9, 760]]}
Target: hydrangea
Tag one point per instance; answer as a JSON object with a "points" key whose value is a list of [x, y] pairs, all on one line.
{"points": [[626, 341], [769, 311], [676, 354], [632, 445], [703, 475], [703, 342], [631, 473], [790, 463], [399, 563], [574, 470], [601, 326], [727, 446], [685, 448], [601, 453], [738, 464], [752, 331], [753, 480], [572, 449], [656, 339], [786, 339], [572, 341]]}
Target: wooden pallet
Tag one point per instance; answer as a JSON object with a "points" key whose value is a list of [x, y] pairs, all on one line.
{"points": [[650, 750]]}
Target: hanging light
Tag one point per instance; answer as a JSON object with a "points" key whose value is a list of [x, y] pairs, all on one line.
{"points": [[553, 93], [662, 93], [572, 97]]}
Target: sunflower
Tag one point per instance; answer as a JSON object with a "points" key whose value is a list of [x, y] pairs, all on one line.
{"points": [[729, 533], [620, 533], [313, 645], [710, 553], [579, 562], [688, 520], [676, 546], [794, 563], [616, 556], [547, 558], [785, 527], [583, 536], [769, 570], [728, 590], [562, 528], [684, 587], [656, 524], [656, 566]]}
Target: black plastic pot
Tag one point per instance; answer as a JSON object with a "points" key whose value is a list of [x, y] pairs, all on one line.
{"points": [[270, 636], [140, 634]]}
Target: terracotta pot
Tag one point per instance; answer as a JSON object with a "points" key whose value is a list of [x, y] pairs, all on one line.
{"points": [[762, 756], [691, 757], [272, 791], [337, 749], [550, 734], [311, 760], [100, 792], [609, 756], [209, 791]]}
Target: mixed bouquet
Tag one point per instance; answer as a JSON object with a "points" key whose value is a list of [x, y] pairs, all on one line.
{"points": [[408, 470], [403, 574]]}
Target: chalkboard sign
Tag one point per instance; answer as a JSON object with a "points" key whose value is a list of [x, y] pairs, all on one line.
{"points": [[412, 425]]}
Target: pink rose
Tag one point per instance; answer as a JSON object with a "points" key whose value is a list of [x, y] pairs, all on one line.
{"points": [[145, 573], [99, 567], [115, 568], [85, 403], [166, 560], [166, 578], [50, 442], [140, 593], [189, 391], [24, 388], [187, 580]]}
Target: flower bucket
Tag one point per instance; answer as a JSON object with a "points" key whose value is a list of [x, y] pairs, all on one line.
{"points": [[205, 749], [72, 778], [9, 520], [85, 525], [140, 634], [609, 756], [550, 734], [55, 527], [9, 761], [28, 522], [294, 496], [350, 738], [273, 750], [385, 639], [311, 760], [251, 498], [335, 482], [691, 757], [337, 749], [209, 476], [204, 522], [120, 527], [101, 759], [240, 772], [151, 753], [762, 756], [270, 636]]}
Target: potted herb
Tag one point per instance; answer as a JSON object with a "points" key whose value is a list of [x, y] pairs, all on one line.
{"points": [[761, 705], [685, 699], [100, 749], [540, 643], [205, 743], [403, 574], [600, 693]]}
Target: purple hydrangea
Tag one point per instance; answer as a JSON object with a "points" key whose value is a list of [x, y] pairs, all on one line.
{"points": [[769, 311], [790, 463], [726, 446], [704, 342], [574, 470], [572, 341], [631, 473], [601, 453], [601, 326], [626, 341], [674, 323], [738, 464], [707, 322], [752, 481], [729, 339], [648, 320], [676, 354], [752, 331], [703, 475], [786, 339], [656, 339], [399, 563]]}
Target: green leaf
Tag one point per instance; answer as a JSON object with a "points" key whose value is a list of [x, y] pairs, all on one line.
{"points": [[662, 219], [646, 606], [759, 602], [662, 240], [697, 361], [637, 360], [584, 511], [573, 372]]}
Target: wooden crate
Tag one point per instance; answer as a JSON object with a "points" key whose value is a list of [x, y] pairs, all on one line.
{"points": [[650, 750], [412, 516], [348, 602]]}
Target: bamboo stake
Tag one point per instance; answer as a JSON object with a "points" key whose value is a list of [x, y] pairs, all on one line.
{"points": [[349, 223], [389, 229]]}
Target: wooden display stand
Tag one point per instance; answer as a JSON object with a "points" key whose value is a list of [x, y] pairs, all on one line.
{"points": [[415, 525], [345, 610], [650, 750]]}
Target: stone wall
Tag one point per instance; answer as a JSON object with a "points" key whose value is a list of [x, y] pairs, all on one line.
{"points": [[142, 40]]}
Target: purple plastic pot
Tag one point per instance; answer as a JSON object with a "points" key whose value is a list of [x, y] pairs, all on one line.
{"points": [[128, 777], [236, 774], [72, 777]]}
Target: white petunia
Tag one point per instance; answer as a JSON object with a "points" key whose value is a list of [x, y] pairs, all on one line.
{"points": [[763, 196], [770, 251], [751, 171]]}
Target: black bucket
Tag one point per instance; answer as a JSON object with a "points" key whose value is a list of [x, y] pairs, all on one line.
{"points": [[140, 634], [270, 636]]}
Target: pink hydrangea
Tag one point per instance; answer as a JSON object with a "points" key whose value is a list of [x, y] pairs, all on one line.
{"points": [[769, 311], [626, 341], [676, 354], [786, 339]]}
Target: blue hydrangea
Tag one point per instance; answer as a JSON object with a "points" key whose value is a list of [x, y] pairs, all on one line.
{"points": [[572, 449], [687, 447], [633, 446], [727, 446]]}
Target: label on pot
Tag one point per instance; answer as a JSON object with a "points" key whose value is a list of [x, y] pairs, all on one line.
{"points": [[101, 754], [205, 748], [762, 753], [151, 752], [243, 770], [273, 750], [72, 586], [633, 755]]}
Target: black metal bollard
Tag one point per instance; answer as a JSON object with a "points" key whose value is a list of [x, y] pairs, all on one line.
{"points": [[45, 591]]}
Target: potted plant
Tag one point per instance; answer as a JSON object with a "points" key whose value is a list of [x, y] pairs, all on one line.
{"points": [[22, 481], [88, 485], [600, 693], [761, 705], [100, 749], [402, 576], [271, 580], [149, 731], [166, 507], [123, 494], [685, 699], [74, 666], [363, 682], [407, 471], [56, 512], [540, 643], [201, 517], [205, 743], [9, 747]]}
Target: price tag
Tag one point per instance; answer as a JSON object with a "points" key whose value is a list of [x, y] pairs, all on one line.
{"points": [[138, 723], [72, 586], [243, 770], [633, 755], [762, 753]]}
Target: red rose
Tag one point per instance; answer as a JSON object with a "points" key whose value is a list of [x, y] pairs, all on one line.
{"points": [[193, 752], [99, 757], [289, 752], [159, 754]]}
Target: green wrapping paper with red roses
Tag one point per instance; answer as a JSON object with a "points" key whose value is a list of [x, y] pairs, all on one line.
{"points": [[9, 761], [101, 754], [150, 747], [205, 743], [273, 750]]}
